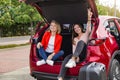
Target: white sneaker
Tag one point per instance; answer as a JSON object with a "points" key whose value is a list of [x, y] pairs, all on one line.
{"points": [[41, 62], [60, 78], [50, 62], [70, 64]]}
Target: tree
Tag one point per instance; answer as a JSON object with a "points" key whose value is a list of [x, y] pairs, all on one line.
{"points": [[106, 10], [102, 10], [13, 13], [5, 18], [26, 11]]}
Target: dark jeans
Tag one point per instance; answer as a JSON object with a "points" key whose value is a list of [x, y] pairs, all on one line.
{"points": [[81, 48], [45, 54]]}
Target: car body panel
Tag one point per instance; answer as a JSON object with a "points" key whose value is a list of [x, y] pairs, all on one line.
{"points": [[107, 48]]}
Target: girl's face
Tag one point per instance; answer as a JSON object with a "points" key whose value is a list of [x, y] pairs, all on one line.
{"points": [[77, 29], [53, 27]]}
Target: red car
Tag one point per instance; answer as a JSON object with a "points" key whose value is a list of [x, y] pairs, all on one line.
{"points": [[103, 47]]}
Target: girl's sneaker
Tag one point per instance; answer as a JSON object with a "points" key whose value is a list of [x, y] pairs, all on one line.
{"points": [[50, 62], [70, 64], [41, 62]]}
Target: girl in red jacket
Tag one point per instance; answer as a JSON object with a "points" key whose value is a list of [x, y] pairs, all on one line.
{"points": [[49, 47]]}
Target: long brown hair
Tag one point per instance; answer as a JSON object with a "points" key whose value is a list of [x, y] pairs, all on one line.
{"points": [[81, 27]]}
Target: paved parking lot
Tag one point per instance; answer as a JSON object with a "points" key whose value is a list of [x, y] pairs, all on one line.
{"points": [[19, 74], [14, 63], [14, 58]]}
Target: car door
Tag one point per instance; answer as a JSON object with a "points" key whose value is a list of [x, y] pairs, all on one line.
{"points": [[112, 28], [117, 21]]}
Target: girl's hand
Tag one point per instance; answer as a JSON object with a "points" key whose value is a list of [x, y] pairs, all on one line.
{"points": [[51, 56], [39, 45], [89, 14]]}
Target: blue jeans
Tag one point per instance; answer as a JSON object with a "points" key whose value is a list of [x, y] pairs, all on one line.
{"points": [[45, 54]]}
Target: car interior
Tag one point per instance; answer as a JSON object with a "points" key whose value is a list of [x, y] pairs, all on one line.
{"points": [[63, 13], [112, 29], [67, 34]]}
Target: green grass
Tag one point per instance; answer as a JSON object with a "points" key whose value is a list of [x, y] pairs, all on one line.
{"points": [[13, 45]]}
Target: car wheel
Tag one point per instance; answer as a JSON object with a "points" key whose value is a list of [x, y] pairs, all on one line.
{"points": [[114, 73]]}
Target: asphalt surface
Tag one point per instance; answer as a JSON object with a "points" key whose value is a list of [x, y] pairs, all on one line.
{"points": [[19, 74], [14, 58], [14, 62]]}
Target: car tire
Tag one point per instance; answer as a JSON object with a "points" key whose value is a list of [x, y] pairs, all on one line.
{"points": [[114, 73]]}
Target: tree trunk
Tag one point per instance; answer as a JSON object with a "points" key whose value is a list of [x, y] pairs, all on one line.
{"points": [[31, 28]]}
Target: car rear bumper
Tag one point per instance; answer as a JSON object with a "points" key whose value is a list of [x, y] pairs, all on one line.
{"points": [[49, 76]]}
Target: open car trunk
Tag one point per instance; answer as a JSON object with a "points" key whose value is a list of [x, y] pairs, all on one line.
{"points": [[63, 11]]}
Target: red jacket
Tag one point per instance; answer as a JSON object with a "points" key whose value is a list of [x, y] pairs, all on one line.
{"points": [[57, 43]]}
